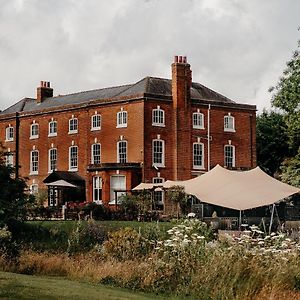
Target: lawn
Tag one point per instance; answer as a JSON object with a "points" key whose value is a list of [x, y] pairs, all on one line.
{"points": [[17, 286]]}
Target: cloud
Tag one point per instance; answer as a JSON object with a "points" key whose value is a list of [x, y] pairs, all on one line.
{"points": [[238, 48]]}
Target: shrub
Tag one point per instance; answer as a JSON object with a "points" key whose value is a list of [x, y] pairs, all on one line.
{"points": [[9, 249], [84, 238], [126, 244]]}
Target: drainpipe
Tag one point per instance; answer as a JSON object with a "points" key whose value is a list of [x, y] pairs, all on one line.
{"points": [[208, 138], [17, 145]]}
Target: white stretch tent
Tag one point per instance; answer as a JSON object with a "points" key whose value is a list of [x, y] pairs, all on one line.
{"points": [[61, 183], [236, 189]]}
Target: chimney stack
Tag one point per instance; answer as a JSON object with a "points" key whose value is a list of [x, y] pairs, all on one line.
{"points": [[181, 81], [43, 91]]}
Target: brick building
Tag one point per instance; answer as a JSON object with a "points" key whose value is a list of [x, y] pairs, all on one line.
{"points": [[95, 144]]}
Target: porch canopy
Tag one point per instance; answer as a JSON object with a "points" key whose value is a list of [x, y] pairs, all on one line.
{"points": [[236, 189]]}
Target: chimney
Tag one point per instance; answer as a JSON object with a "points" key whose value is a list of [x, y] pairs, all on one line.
{"points": [[43, 91], [181, 82]]}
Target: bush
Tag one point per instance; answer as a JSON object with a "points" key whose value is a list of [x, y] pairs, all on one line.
{"points": [[126, 244], [84, 238], [9, 249]]}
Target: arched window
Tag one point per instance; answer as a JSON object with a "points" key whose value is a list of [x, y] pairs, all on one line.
{"points": [[9, 134], [158, 117], [96, 122], [122, 119], [73, 125], [52, 128], [198, 156], [229, 156], [229, 123], [198, 120], [34, 131]]}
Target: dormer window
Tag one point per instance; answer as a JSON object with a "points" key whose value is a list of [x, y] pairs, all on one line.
{"points": [[34, 131], [122, 119], [229, 123], [158, 117], [52, 128], [9, 134], [96, 122], [198, 120], [73, 125]]}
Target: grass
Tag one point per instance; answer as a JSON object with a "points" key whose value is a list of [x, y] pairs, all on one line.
{"points": [[17, 286], [53, 235]]}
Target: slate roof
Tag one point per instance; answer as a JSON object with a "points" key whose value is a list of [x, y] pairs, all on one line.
{"points": [[71, 177], [148, 86]]}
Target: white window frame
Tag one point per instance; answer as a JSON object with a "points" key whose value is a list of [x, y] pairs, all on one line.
{"points": [[198, 120], [73, 125], [155, 153], [119, 159], [96, 122], [50, 159], [9, 159], [34, 163], [112, 199], [52, 125], [122, 119], [97, 189], [34, 134], [229, 125], [72, 166], [197, 166], [158, 117], [34, 189], [158, 180], [9, 134], [226, 157], [94, 154]]}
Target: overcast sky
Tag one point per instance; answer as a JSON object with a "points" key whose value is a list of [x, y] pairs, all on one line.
{"points": [[236, 47]]}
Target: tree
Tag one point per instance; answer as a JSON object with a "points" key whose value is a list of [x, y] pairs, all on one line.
{"points": [[177, 195], [286, 96], [13, 196], [271, 141], [291, 170]]}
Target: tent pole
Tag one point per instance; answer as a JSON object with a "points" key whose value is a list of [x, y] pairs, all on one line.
{"points": [[272, 216], [240, 221]]}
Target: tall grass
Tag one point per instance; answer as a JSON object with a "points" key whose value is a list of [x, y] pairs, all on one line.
{"points": [[188, 262]]}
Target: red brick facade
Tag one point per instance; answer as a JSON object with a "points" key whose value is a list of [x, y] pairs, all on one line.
{"points": [[176, 132]]}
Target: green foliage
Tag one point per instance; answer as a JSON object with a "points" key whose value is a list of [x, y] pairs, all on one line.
{"points": [[271, 141], [13, 199], [126, 244], [176, 194], [291, 170], [286, 96], [8, 247], [84, 238]]}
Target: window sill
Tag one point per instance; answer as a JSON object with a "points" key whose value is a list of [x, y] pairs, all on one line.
{"points": [[34, 137], [73, 132], [73, 170], [33, 173], [198, 168], [121, 126], [52, 134], [158, 125], [229, 130], [158, 166], [198, 127], [11, 140], [96, 129]]}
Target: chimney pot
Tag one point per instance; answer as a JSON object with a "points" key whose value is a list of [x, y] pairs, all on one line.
{"points": [[176, 59], [184, 59]]}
